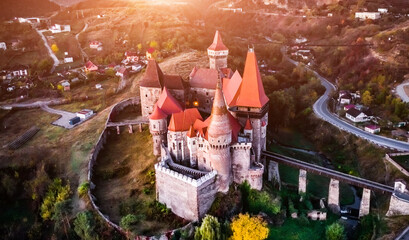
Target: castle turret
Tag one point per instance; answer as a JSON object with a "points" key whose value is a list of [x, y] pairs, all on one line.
{"points": [[158, 128], [191, 138], [217, 53], [220, 138], [248, 129], [251, 103]]}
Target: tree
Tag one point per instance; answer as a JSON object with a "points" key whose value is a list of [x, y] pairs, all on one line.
{"points": [[139, 46], [246, 227], [61, 211], [56, 193], [84, 226], [129, 221], [209, 230], [367, 98], [335, 231], [55, 48], [83, 189], [153, 44]]}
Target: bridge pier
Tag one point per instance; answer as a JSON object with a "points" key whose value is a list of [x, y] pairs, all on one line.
{"points": [[333, 196], [302, 182], [130, 128], [274, 174], [118, 131], [365, 203]]}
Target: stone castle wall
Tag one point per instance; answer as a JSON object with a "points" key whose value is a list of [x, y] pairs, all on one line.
{"points": [[178, 147], [179, 94], [185, 196], [149, 96], [205, 98], [259, 133], [398, 206], [240, 161]]}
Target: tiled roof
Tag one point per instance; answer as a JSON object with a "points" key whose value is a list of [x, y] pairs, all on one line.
{"points": [[248, 125], [167, 103], [251, 93], [203, 78], [90, 64], [354, 112], [173, 82], [151, 50], [157, 113], [182, 121], [217, 44], [191, 133], [153, 75], [231, 87]]}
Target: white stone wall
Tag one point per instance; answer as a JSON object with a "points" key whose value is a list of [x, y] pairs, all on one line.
{"points": [[186, 197], [149, 96], [240, 162], [397, 206], [259, 133]]}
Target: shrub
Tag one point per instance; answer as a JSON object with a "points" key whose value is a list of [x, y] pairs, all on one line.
{"points": [[246, 227], [335, 231], [83, 189]]}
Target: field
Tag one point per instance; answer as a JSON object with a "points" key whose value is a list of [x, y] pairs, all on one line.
{"points": [[125, 182]]}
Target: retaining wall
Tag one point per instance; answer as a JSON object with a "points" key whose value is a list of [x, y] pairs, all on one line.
{"points": [[397, 165]]}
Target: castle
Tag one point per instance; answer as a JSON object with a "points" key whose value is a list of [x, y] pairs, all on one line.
{"points": [[200, 157]]}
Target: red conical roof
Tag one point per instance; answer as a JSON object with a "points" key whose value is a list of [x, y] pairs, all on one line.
{"points": [[157, 113], [167, 103], [231, 88], [219, 124], [181, 121], [248, 125], [251, 93], [217, 44]]}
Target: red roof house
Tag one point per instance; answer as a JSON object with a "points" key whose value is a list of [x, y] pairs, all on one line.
{"points": [[203, 78], [90, 67]]}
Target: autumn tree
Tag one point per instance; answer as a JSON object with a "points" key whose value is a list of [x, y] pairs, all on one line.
{"points": [[367, 98], [209, 230], [335, 231], [55, 48], [246, 227], [61, 216], [56, 193]]}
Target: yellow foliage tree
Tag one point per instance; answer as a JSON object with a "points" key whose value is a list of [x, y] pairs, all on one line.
{"points": [[153, 44], [55, 48], [367, 98], [246, 227]]}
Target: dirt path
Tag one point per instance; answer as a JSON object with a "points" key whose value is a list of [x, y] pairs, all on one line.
{"points": [[50, 52], [83, 53]]}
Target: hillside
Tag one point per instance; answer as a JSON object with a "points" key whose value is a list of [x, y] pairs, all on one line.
{"points": [[25, 8], [66, 3]]}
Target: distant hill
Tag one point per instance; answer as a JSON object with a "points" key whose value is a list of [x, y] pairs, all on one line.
{"points": [[25, 8], [67, 3]]}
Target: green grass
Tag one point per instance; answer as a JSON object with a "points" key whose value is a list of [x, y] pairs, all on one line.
{"points": [[292, 229], [402, 160]]}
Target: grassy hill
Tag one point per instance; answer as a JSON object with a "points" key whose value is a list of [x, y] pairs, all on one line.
{"points": [[25, 8]]}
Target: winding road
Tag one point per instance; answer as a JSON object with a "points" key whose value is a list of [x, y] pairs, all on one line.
{"points": [[321, 110], [84, 54], [50, 52]]}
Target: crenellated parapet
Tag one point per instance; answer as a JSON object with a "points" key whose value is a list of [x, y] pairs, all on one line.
{"points": [[242, 145]]}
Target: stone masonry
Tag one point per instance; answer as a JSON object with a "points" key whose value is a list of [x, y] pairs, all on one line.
{"points": [[333, 196], [302, 182], [365, 203]]}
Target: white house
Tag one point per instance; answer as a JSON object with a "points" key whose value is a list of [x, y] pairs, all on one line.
{"points": [[85, 113], [57, 28], [122, 72], [373, 129], [345, 98], [368, 15], [383, 10], [66, 86], [20, 73], [3, 46], [356, 116], [68, 59], [96, 45], [137, 67]]}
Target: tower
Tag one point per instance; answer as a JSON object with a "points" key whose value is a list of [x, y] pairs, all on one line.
{"points": [[217, 53], [158, 129], [252, 103], [192, 145], [220, 138]]}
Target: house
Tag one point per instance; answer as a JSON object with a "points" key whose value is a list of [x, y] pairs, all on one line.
{"points": [[122, 72], [373, 129], [90, 67], [345, 98], [349, 106], [137, 67], [57, 28], [85, 113], [382, 10], [131, 56], [95, 45], [330, 15], [66, 86], [367, 15], [68, 59], [356, 116], [149, 53], [19, 71], [3, 46], [98, 86]]}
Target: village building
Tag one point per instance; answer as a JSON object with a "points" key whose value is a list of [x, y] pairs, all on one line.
{"points": [[202, 156], [95, 45], [373, 129], [90, 67], [68, 59], [131, 56], [58, 28], [3, 46], [84, 114], [122, 72], [383, 10], [66, 86], [349, 106], [368, 15], [150, 53], [356, 116]]}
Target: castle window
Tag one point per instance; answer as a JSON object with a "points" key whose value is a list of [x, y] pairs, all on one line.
{"points": [[180, 146], [204, 160], [207, 101], [146, 95], [154, 126], [207, 94], [174, 146], [194, 142]]}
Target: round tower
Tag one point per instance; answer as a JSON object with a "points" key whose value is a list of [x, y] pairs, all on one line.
{"points": [[192, 145], [219, 138], [158, 129], [217, 53]]}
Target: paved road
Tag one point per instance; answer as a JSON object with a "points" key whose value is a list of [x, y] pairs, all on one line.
{"points": [[63, 121], [404, 235], [50, 52], [400, 90], [84, 54], [321, 110], [35, 104]]}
